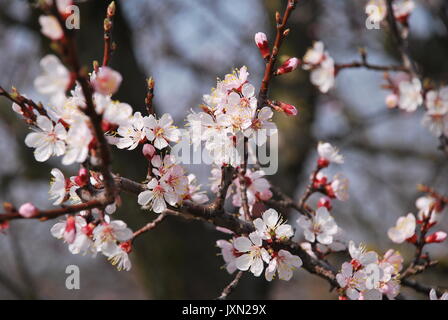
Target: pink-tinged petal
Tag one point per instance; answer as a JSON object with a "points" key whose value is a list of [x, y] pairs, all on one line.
{"points": [[144, 197], [160, 143], [257, 267], [242, 244], [243, 262]]}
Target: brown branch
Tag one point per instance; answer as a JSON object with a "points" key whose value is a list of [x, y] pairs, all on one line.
{"points": [[280, 35], [151, 225], [70, 51], [420, 287], [230, 287], [150, 96], [44, 215], [365, 64], [108, 25]]}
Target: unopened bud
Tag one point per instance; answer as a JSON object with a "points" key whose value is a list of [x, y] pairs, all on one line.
{"points": [[288, 66], [111, 9], [324, 202], [436, 237], [107, 24], [28, 210], [278, 17], [289, 109], [148, 151], [262, 43]]}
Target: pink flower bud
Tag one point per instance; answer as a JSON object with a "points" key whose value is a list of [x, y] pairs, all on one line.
{"points": [[324, 202], [106, 81], [392, 101], [70, 230], [288, 66], [4, 225], [28, 210], [289, 109], [436, 237], [148, 151], [322, 162], [82, 178], [262, 43]]}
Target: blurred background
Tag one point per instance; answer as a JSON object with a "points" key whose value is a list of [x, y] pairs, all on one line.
{"points": [[185, 45]]}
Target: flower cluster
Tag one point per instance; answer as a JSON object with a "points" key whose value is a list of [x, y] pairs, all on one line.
{"points": [[369, 277], [229, 115], [251, 252], [429, 215], [108, 237]]}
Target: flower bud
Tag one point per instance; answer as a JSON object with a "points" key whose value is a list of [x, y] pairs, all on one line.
{"points": [[436, 237], [324, 202], [262, 43], [148, 151], [392, 101], [28, 210], [289, 109], [70, 229], [322, 162], [106, 81], [82, 178], [111, 9], [288, 66]]}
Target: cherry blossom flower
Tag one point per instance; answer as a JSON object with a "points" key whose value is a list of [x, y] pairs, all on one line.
{"points": [[253, 254], [132, 134], [404, 229], [106, 81], [437, 101], [354, 282], [271, 226], [328, 154], [257, 187], [120, 258], [376, 10], [161, 131], [158, 194], [55, 79], [428, 208], [361, 257], [69, 228], [50, 27], [229, 255], [338, 188], [323, 76], [194, 191], [410, 95], [106, 236], [321, 227], [79, 137], [48, 139], [114, 112], [261, 127], [284, 263], [58, 188], [402, 9], [433, 295], [314, 56]]}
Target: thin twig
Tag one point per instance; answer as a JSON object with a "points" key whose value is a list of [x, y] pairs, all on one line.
{"points": [[230, 287]]}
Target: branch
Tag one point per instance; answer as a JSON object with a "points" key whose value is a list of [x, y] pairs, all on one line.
{"points": [[151, 225], [230, 287], [269, 70]]}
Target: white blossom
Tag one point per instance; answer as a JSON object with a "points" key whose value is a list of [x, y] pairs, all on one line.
{"points": [[48, 139]]}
